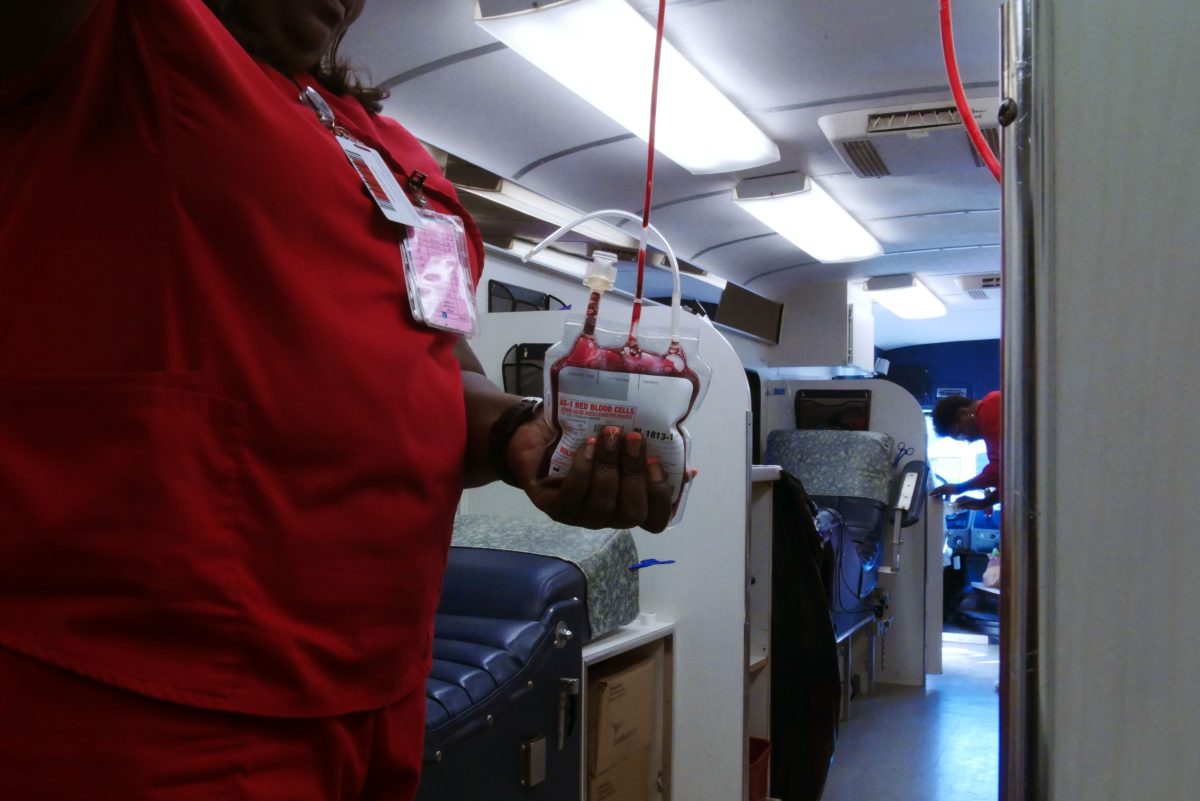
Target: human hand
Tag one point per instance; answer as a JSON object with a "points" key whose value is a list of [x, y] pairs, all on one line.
{"points": [[611, 483], [977, 504], [944, 491]]}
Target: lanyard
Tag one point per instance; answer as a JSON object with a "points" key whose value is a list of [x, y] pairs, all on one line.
{"points": [[437, 268], [381, 184]]}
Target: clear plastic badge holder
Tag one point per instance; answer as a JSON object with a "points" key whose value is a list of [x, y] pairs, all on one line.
{"points": [[437, 270], [602, 375]]}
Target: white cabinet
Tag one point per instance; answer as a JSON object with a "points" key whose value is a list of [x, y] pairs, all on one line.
{"points": [[645, 639], [827, 325]]}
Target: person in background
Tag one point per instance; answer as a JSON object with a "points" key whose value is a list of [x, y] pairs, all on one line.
{"points": [[230, 454], [967, 420]]}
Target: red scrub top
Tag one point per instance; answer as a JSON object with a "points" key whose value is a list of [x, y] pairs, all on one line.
{"points": [[988, 418], [229, 458]]}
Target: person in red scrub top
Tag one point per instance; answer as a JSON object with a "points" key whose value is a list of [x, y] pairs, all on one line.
{"points": [[964, 419], [230, 449]]}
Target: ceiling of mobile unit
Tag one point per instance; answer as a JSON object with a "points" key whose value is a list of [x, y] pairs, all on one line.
{"points": [[786, 63]]}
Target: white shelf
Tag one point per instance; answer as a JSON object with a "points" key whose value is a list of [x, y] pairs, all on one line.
{"points": [[625, 639], [764, 472]]}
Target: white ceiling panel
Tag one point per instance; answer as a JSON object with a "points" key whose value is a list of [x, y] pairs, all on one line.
{"points": [[785, 62], [958, 324], [393, 37], [780, 52], [937, 230]]}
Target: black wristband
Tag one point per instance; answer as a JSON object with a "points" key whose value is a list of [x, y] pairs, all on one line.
{"points": [[502, 431]]}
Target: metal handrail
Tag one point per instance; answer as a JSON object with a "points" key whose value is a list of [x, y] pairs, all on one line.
{"points": [[1023, 119]]}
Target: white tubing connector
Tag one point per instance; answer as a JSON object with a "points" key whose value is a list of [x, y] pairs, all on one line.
{"points": [[601, 271]]}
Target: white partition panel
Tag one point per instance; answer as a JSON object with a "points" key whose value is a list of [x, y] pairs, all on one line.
{"points": [[705, 591]]}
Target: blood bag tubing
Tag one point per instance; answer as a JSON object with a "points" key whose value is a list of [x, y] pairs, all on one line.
{"points": [[676, 290]]}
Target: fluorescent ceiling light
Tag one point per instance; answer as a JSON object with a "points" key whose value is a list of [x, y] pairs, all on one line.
{"points": [[905, 296], [805, 215], [603, 51]]}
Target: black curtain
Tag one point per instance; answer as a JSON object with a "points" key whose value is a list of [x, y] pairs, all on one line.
{"points": [[805, 685]]}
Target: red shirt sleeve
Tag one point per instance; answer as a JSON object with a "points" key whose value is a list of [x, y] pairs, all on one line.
{"points": [[988, 418]]}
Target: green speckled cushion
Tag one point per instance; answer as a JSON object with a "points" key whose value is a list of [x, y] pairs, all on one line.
{"points": [[603, 556], [854, 464]]}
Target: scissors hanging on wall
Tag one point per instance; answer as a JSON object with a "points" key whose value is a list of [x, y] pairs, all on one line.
{"points": [[902, 450]]}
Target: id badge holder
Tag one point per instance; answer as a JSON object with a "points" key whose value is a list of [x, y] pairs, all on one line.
{"points": [[437, 271]]}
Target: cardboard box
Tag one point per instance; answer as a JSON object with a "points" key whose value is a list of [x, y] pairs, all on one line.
{"points": [[620, 715], [628, 780]]}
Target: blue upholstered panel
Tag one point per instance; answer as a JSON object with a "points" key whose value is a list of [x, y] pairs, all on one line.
{"points": [[500, 664], [504, 584], [495, 622], [517, 637], [476, 681], [453, 699]]}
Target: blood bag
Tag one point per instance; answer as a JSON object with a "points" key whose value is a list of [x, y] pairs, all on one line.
{"points": [[601, 375]]}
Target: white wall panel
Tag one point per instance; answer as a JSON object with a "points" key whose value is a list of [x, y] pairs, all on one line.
{"points": [[1119, 380]]}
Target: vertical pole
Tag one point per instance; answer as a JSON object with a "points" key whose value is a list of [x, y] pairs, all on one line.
{"points": [[1022, 119]]}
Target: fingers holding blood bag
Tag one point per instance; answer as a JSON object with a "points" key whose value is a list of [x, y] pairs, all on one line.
{"points": [[611, 483], [660, 497], [633, 505], [600, 507], [564, 500]]}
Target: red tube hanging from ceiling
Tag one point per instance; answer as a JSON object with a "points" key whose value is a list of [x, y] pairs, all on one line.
{"points": [[960, 96]]}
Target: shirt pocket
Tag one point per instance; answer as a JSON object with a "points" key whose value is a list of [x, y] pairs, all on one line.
{"points": [[120, 501]]}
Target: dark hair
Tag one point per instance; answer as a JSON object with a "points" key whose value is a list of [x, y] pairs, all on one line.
{"points": [[945, 413], [331, 71]]}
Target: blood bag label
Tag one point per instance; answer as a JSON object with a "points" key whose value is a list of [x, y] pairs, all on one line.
{"points": [[590, 400]]}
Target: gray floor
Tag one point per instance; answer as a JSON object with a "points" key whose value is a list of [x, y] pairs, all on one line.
{"points": [[937, 743]]}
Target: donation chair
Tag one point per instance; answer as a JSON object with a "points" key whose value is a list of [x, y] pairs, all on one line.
{"points": [[838, 494], [519, 600]]}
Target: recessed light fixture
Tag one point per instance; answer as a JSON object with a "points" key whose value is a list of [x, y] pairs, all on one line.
{"points": [[905, 296], [804, 214]]}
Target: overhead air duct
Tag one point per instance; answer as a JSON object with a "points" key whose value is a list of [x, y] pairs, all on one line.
{"points": [[980, 287], [910, 140]]}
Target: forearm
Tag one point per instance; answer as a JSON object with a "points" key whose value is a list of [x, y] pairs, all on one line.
{"points": [[485, 402], [980, 481]]}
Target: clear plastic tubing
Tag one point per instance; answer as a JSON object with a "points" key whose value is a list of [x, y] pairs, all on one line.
{"points": [[676, 291]]}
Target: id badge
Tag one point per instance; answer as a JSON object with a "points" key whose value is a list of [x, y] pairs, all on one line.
{"points": [[437, 272], [380, 183]]}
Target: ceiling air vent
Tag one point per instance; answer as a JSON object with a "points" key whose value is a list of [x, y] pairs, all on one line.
{"points": [[913, 119], [865, 158], [919, 139], [980, 287]]}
